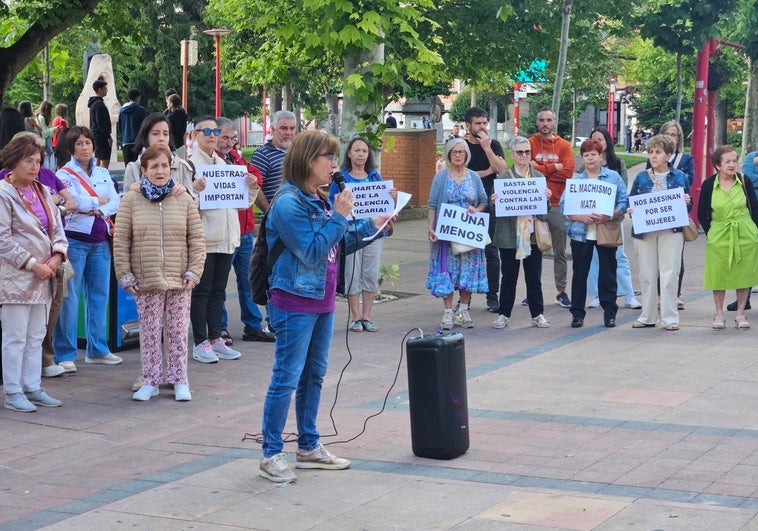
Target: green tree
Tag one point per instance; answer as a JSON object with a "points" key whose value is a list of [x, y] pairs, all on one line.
{"points": [[681, 27], [29, 26]]}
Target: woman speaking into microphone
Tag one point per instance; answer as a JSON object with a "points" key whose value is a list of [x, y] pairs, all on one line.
{"points": [[303, 285]]}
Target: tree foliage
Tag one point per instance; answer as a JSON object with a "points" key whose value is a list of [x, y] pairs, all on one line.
{"points": [[34, 24]]}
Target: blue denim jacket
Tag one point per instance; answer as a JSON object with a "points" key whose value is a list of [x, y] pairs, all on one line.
{"points": [[643, 184], [309, 234], [577, 230]]}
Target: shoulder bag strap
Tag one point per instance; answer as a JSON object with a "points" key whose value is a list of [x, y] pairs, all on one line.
{"points": [[78, 177]]}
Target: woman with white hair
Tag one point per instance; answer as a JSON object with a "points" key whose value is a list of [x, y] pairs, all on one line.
{"points": [[467, 271]]}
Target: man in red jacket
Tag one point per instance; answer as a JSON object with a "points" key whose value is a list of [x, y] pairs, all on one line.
{"points": [[553, 157], [249, 312]]}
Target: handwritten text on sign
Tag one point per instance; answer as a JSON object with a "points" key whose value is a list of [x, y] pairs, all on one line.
{"points": [[371, 198], [225, 187], [455, 224], [520, 197], [588, 196], [658, 210]]}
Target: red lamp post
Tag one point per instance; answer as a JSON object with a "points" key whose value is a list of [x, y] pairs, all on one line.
{"points": [[217, 34], [611, 121]]}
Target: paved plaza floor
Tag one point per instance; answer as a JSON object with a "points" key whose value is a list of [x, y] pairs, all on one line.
{"points": [[579, 429]]}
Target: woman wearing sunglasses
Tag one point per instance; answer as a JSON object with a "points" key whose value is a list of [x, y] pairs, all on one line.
{"points": [[222, 235]]}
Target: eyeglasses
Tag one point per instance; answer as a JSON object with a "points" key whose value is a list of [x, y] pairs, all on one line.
{"points": [[457, 153], [524, 152], [32, 162], [208, 131], [332, 158]]}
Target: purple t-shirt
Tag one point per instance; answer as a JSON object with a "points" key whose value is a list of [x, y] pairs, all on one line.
{"points": [[289, 302], [46, 177], [53, 184]]}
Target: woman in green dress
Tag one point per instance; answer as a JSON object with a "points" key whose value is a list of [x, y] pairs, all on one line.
{"points": [[727, 204]]}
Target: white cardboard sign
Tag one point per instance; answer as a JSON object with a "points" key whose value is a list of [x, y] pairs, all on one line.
{"points": [[520, 197], [225, 186], [455, 224], [588, 196], [658, 210], [371, 198]]}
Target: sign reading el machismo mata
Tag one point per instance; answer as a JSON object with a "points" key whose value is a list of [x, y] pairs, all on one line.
{"points": [[588, 196]]}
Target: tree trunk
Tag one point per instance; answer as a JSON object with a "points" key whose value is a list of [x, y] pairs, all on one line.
{"points": [[566, 19], [719, 137], [473, 97], [678, 87], [493, 116], [14, 58], [352, 109], [333, 110], [750, 127], [287, 97]]}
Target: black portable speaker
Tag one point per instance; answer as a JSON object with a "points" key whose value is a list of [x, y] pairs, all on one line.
{"points": [[437, 395]]}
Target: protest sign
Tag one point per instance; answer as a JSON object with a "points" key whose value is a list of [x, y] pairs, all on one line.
{"points": [[371, 198], [225, 186], [520, 197], [588, 196], [455, 224], [658, 210]]}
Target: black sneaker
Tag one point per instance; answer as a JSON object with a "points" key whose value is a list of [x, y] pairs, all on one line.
{"points": [[525, 302], [563, 300], [257, 335], [493, 305], [577, 322]]}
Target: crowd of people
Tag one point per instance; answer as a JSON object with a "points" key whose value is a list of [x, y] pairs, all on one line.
{"points": [[59, 244], [727, 211]]}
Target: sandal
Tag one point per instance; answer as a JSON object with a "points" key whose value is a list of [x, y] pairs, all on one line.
{"points": [[640, 324], [356, 326], [672, 327], [228, 341], [718, 323], [741, 323], [368, 326]]}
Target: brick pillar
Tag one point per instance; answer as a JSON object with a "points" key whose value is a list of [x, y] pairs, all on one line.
{"points": [[408, 159]]}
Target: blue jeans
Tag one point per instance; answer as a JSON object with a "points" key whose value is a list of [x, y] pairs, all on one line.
{"points": [[249, 312], [92, 279], [302, 347]]}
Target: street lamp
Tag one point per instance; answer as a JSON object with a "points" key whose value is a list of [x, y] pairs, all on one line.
{"points": [[218, 33]]}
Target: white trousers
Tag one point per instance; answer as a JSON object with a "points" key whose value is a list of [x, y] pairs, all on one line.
{"points": [[659, 255], [24, 329]]}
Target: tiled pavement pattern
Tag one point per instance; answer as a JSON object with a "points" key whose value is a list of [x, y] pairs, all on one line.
{"points": [[582, 429]]}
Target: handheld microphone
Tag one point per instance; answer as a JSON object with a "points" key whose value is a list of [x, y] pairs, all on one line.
{"points": [[339, 180]]}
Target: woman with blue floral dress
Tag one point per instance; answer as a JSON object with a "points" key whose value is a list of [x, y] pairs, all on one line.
{"points": [[466, 272]]}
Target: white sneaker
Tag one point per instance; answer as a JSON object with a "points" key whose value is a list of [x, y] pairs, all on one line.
{"points": [[630, 301], [52, 371], [463, 319], [68, 366], [182, 393], [540, 321], [145, 392], [594, 304], [223, 351], [447, 321], [108, 359], [204, 353], [500, 322]]}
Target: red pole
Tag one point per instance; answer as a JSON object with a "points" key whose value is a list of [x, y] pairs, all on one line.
{"points": [[612, 110], [516, 108], [698, 124]]}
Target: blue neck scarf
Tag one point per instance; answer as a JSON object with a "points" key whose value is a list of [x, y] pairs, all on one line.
{"points": [[154, 193]]}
